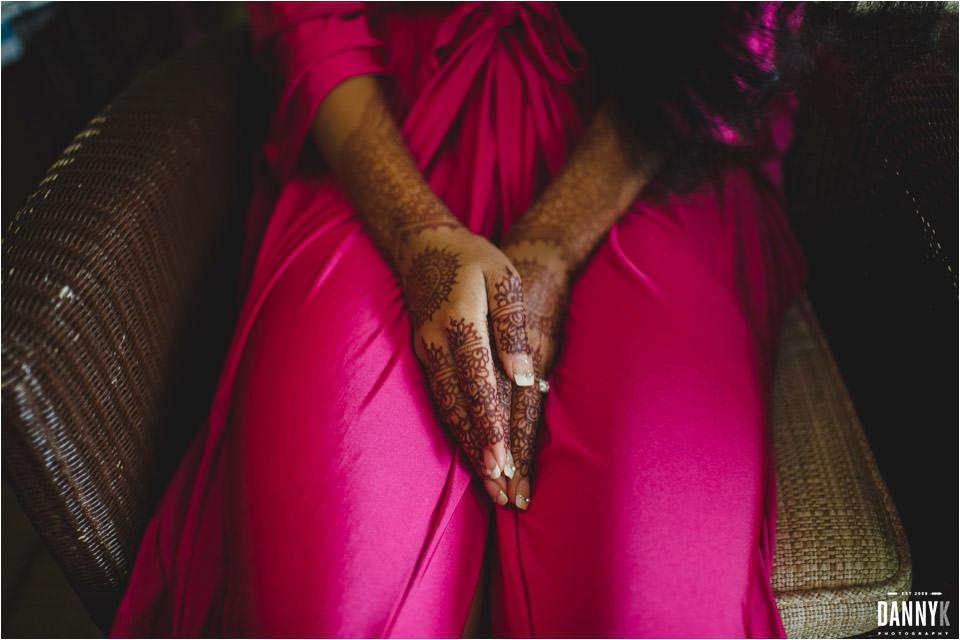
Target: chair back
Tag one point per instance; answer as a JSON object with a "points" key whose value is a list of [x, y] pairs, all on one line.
{"points": [[119, 293]]}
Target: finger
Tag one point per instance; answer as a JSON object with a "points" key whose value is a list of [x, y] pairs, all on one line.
{"points": [[496, 489], [452, 406], [472, 358], [505, 296], [525, 410], [449, 400], [524, 419], [518, 492], [505, 395]]}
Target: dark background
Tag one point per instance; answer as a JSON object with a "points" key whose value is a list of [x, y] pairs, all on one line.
{"points": [[895, 339], [76, 57]]}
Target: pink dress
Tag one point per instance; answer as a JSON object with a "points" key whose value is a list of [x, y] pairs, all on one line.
{"points": [[323, 498]]}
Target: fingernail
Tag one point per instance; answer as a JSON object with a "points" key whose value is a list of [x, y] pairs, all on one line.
{"points": [[523, 491], [509, 469], [523, 371], [523, 379], [502, 498], [490, 462]]}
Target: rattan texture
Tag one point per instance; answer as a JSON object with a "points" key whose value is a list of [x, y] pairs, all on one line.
{"points": [[876, 149], [915, 121], [840, 546], [100, 267]]}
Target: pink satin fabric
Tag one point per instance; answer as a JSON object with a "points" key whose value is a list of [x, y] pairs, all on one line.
{"points": [[323, 498]]}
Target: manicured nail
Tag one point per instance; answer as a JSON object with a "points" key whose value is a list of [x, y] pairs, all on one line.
{"points": [[523, 371], [502, 498], [523, 490], [508, 464], [490, 462], [523, 379]]}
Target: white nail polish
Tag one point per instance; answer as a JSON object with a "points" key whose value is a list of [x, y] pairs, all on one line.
{"points": [[494, 472], [522, 501], [523, 379], [502, 498], [509, 470]]}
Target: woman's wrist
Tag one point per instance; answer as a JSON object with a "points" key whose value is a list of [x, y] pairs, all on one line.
{"points": [[593, 189], [541, 257], [419, 212]]}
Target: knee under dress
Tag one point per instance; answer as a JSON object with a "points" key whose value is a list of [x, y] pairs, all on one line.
{"points": [[323, 498]]}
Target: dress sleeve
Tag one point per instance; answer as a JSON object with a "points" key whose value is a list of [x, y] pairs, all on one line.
{"points": [[308, 48]]}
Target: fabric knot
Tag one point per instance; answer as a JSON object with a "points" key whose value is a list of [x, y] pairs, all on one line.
{"points": [[550, 43], [472, 54]]}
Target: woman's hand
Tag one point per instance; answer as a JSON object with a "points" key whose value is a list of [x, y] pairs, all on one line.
{"points": [[550, 243], [453, 281], [546, 279]]}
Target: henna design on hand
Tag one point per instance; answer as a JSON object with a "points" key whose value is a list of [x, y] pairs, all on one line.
{"points": [[445, 388], [544, 299], [545, 296], [473, 361], [507, 315], [504, 394], [429, 281], [523, 430], [416, 216]]}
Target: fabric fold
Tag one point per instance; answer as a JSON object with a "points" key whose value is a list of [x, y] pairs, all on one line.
{"points": [[323, 497]]}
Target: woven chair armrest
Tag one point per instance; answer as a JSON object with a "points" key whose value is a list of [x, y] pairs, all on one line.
{"points": [[840, 545], [100, 268]]}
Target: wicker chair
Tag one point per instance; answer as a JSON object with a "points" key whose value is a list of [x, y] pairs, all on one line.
{"points": [[118, 297]]}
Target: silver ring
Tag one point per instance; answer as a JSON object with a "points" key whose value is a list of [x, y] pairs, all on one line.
{"points": [[543, 385]]}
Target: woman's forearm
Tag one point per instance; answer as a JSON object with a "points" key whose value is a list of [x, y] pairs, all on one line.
{"points": [[356, 134], [588, 195]]}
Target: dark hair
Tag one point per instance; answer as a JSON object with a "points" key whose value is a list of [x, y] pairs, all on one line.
{"points": [[679, 74]]}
